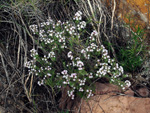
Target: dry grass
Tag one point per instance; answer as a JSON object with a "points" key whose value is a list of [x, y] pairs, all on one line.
{"points": [[17, 86]]}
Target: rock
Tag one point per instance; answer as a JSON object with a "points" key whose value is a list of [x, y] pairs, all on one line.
{"points": [[113, 104], [64, 98], [133, 9], [104, 88], [129, 92], [110, 88], [100, 89], [143, 92]]}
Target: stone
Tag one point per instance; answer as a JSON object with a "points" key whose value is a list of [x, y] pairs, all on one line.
{"points": [[129, 92], [100, 89], [104, 88], [133, 9], [109, 103], [143, 92]]}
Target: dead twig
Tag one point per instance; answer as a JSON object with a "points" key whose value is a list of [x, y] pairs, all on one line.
{"points": [[5, 68]]}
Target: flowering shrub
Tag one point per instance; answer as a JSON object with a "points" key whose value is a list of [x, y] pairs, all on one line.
{"points": [[70, 59]]}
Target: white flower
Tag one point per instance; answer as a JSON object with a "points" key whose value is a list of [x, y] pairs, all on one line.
{"points": [[70, 55], [42, 33], [94, 33], [121, 69], [81, 25], [128, 83], [80, 64], [90, 75], [64, 82], [58, 86], [123, 88], [58, 23], [105, 52], [71, 30], [50, 32], [81, 89], [70, 94], [49, 74], [33, 52], [44, 24], [39, 83], [64, 72], [78, 15], [89, 93], [117, 65], [73, 75], [28, 64], [51, 54], [72, 97], [112, 79], [83, 51], [48, 68], [78, 58], [34, 28], [80, 68], [62, 39]]}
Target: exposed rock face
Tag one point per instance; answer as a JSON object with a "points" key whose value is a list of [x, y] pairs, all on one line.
{"points": [[134, 9], [108, 98], [113, 104], [100, 89]]}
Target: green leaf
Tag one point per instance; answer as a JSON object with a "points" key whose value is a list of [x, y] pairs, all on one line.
{"points": [[82, 72]]}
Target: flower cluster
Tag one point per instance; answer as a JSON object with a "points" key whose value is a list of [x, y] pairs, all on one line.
{"points": [[67, 61], [80, 65], [92, 36], [78, 16], [33, 53], [127, 83], [51, 54], [34, 28], [89, 93], [70, 94], [81, 25]]}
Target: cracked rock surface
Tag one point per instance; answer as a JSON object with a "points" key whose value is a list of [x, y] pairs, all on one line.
{"points": [[113, 104]]}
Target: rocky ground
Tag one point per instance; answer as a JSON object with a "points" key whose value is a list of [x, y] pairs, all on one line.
{"points": [[109, 99]]}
